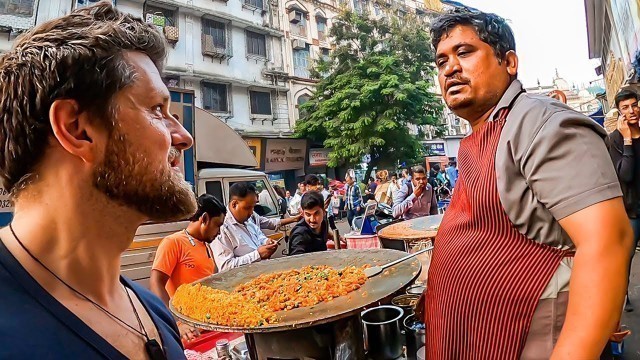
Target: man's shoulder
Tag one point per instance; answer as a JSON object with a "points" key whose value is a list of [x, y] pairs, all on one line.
{"points": [[300, 228], [531, 113]]}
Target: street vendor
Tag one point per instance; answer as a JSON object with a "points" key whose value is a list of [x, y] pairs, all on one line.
{"points": [[185, 256], [90, 152], [537, 204], [416, 197], [241, 240]]}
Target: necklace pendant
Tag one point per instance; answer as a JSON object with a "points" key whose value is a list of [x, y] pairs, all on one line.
{"points": [[154, 350]]}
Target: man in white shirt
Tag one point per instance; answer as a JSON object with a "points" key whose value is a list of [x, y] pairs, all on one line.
{"points": [[241, 240], [294, 204]]}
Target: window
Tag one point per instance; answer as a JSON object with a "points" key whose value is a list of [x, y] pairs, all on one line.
{"points": [[159, 17], [266, 205], [322, 28], [255, 3], [23, 7], [301, 100], [260, 102], [298, 23], [217, 30], [215, 188], [214, 97], [256, 44], [301, 62]]}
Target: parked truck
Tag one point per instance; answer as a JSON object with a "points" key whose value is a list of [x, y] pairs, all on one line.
{"points": [[218, 159]]}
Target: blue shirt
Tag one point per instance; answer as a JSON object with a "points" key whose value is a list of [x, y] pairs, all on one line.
{"points": [[452, 173], [34, 325]]}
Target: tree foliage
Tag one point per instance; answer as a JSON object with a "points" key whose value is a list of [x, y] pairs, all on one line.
{"points": [[375, 92]]}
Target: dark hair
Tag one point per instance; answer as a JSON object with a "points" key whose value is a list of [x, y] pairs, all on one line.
{"points": [[436, 167], [312, 180], [419, 170], [311, 200], [371, 178], [626, 95], [209, 204], [491, 29], [78, 56], [368, 197], [241, 190], [280, 191]]}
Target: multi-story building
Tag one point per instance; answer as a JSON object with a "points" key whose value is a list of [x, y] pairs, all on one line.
{"points": [[228, 52], [613, 29]]}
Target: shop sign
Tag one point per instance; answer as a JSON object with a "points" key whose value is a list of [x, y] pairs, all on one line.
{"points": [[255, 145], [285, 154], [319, 157], [436, 149], [5, 203]]}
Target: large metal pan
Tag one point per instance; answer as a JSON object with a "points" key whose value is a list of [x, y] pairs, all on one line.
{"points": [[375, 289]]}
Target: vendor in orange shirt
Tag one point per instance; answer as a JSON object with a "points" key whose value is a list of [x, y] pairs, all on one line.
{"points": [[185, 256]]}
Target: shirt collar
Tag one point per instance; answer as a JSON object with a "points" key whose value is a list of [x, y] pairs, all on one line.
{"points": [[512, 91]]}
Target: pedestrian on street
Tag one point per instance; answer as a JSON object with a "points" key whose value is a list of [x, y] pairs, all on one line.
{"points": [[372, 186], [452, 173], [537, 203], [416, 200], [312, 232], [353, 203], [90, 152], [624, 148]]}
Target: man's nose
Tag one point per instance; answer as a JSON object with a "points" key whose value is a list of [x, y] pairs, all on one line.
{"points": [[180, 137]]}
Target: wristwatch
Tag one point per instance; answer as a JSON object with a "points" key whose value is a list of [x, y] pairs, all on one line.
{"points": [[628, 141]]}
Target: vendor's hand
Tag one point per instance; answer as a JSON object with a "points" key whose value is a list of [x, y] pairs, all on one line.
{"points": [[298, 217], [419, 310], [267, 250], [418, 190], [343, 240], [188, 332], [623, 127]]}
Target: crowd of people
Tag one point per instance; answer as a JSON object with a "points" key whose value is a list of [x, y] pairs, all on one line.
{"points": [[531, 260]]}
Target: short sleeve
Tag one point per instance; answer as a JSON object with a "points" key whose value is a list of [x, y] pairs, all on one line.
{"points": [[167, 255], [567, 165]]}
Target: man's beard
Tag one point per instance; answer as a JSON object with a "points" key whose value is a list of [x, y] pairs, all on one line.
{"points": [[125, 177]]}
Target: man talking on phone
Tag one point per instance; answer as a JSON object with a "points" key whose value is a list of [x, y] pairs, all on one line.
{"points": [[416, 200], [624, 148]]}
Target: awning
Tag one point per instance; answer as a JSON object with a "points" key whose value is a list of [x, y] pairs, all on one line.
{"points": [[217, 143]]}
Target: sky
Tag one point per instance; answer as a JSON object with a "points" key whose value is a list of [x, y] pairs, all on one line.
{"points": [[549, 34]]}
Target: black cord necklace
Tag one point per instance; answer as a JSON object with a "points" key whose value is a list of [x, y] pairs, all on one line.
{"points": [[153, 348]]}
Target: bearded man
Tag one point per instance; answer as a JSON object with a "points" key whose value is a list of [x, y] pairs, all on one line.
{"points": [[90, 152]]}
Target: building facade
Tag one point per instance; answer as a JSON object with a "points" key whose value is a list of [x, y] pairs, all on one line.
{"points": [[230, 53], [613, 29]]}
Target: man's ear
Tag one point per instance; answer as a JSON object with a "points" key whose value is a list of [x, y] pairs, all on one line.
{"points": [[205, 219], [73, 129], [511, 61]]}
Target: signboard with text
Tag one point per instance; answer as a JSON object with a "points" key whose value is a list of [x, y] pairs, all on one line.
{"points": [[285, 154], [435, 149], [5, 202], [319, 157]]}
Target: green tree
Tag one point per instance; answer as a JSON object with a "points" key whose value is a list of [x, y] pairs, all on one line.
{"points": [[375, 92]]}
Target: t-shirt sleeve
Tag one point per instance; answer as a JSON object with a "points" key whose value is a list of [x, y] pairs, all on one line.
{"points": [[567, 165], [167, 256]]}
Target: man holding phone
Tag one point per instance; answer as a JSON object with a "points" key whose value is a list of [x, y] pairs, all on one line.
{"points": [[624, 148], [241, 239], [421, 202]]}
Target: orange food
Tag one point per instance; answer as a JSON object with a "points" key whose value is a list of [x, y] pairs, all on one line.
{"points": [[254, 303]]}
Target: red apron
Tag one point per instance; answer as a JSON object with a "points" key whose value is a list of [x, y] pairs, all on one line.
{"points": [[485, 277]]}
